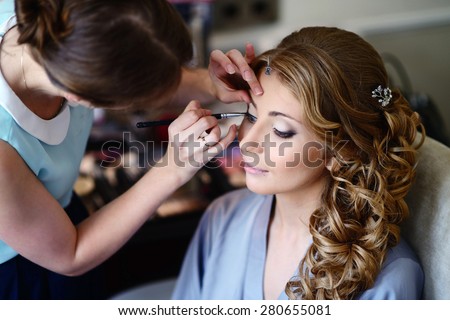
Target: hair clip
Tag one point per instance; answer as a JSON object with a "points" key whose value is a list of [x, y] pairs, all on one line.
{"points": [[268, 68], [384, 95]]}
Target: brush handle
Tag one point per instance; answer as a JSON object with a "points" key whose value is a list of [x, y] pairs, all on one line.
{"points": [[218, 116]]}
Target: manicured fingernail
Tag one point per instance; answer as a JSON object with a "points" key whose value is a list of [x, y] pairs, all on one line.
{"points": [[258, 91], [230, 69], [247, 76]]}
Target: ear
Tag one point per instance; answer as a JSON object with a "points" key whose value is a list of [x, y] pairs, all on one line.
{"points": [[76, 99], [71, 97]]}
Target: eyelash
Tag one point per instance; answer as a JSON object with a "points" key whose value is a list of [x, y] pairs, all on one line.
{"points": [[250, 118], [284, 135]]}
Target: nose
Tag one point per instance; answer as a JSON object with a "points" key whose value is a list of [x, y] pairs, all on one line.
{"points": [[250, 140]]}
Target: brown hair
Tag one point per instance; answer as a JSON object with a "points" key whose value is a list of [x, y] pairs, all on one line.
{"points": [[333, 72], [109, 52]]}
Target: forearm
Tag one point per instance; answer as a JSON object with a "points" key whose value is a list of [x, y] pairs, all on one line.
{"points": [[113, 225], [195, 84]]}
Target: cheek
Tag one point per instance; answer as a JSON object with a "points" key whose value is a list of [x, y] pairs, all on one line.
{"points": [[313, 154], [303, 155], [285, 154], [299, 168]]}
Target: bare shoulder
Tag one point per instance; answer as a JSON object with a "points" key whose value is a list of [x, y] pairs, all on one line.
{"points": [[29, 212], [13, 174], [11, 163]]}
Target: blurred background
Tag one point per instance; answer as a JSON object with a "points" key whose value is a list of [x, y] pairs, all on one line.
{"points": [[413, 37]]}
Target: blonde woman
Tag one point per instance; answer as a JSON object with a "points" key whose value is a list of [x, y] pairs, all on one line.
{"points": [[329, 156]]}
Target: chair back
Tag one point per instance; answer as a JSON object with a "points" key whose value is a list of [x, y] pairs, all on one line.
{"points": [[427, 229]]}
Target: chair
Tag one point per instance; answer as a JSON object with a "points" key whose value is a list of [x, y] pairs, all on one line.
{"points": [[427, 229]]}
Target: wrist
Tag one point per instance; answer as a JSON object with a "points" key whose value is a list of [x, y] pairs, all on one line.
{"points": [[198, 85], [166, 178]]}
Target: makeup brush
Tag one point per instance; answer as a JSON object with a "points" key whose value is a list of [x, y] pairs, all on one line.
{"points": [[166, 122]]}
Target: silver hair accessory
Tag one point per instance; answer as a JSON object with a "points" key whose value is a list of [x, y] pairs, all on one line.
{"points": [[384, 96], [268, 68]]}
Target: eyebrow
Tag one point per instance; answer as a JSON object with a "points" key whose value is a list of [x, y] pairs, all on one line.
{"points": [[275, 113]]}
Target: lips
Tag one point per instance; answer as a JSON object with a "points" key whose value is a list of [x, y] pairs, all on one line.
{"points": [[253, 170]]}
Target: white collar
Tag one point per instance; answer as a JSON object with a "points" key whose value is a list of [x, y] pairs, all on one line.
{"points": [[51, 131]]}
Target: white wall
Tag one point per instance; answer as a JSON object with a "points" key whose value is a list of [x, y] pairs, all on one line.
{"points": [[338, 12], [356, 15]]}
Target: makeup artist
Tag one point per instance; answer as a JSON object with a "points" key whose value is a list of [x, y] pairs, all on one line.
{"points": [[58, 60]]}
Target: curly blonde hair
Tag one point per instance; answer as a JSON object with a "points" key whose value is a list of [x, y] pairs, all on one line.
{"points": [[333, 72]]}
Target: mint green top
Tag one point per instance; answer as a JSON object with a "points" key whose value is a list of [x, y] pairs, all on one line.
{"points": [[52, 149]]}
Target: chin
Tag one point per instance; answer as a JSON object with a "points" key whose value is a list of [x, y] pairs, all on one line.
{"points": [[260, 188]]}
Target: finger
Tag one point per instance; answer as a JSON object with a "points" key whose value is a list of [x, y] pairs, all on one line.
{"points": [[255, 86], [235, 96], [203, 124], [239, 60], [247, 73], [195, 132], [244, 96], [225, 142], [213, 137], [193, 105], [218, 58], [249, 53], [188, 118]]}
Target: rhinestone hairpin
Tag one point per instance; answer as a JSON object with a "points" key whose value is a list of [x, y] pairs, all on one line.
{"points": [[268, 68], [384, 96]]}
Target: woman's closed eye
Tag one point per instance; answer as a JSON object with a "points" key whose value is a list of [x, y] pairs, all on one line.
{"points": [[284, 134]]}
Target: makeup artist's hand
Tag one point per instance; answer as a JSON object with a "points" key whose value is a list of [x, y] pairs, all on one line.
{"points": [[232, 76], [194, 139]]}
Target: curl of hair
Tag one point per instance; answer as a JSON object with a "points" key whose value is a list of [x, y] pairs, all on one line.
{"points": [[109, 52], [333, 72]]}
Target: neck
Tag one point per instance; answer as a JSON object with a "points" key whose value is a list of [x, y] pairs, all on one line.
{"points": [[34, 78], [27, 78], [294, 209], [290, 213], [37, 93]]}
